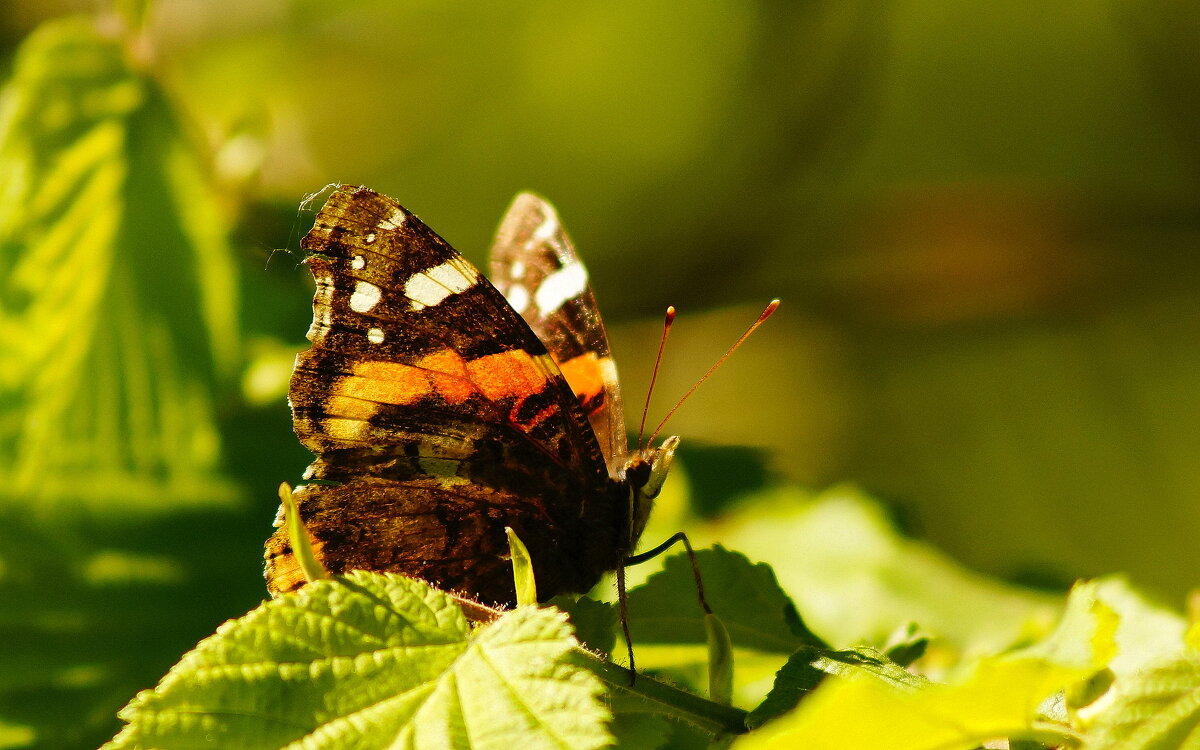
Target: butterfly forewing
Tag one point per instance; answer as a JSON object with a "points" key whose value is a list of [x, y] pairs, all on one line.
{"points": [[409, 340], [534, 264]]}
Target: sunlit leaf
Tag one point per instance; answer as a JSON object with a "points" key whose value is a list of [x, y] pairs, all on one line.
{"points": [[1086, 634], [526, 585], [865, 660], [856, 579], [1145, 631], [1156, 709], [1004, 696], [806, 668], [118, 532], [858, 711], [118, 292], [374, 661]]}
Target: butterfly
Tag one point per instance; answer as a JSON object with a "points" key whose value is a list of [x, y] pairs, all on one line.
{"points": [[443, 407]]}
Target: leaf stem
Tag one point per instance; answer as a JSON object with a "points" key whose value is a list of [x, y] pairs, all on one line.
{"points": [[714, 718]]}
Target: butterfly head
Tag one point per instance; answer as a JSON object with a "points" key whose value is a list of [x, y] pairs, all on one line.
{"points": [[644, 475]]}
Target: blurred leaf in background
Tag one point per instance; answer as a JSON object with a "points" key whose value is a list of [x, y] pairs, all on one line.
{"points": [[119, 287], [118, 321]]}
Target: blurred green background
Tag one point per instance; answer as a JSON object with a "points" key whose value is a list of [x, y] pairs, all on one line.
{"points": [[982, 220]]}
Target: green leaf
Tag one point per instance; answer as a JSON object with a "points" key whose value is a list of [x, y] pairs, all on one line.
{"points": [[1111, 631], [526, 584], [746, 596], [1086, 633], [1146, 632], [117, 288], [720, 660], [649, 695], [858, 710], [298, 534], [374, 660], [1004, 696], [856, 578], [806, 668], [595, 622], [669, 631], [865, 660], [794, 680], [906, 644], [1157, 709], [640, 731], [121, 542]]}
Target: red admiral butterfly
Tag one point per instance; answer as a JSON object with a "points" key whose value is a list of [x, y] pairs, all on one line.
{"points": [[443, 408]]}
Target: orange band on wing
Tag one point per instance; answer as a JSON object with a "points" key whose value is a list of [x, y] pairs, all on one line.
{"points": [[350, 408], [447, 373], [510, 374], [513, 373], [586, 374], [385, 383]]}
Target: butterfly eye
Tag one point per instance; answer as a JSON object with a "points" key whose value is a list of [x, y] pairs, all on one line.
{"points": [[637, 473]]}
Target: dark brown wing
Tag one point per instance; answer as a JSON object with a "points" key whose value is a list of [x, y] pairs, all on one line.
{"points": [[534, 265], [451, 535], [437, 409]]}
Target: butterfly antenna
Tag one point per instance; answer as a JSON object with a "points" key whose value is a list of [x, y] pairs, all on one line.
{"points": [[768, 312], [662, 344]]}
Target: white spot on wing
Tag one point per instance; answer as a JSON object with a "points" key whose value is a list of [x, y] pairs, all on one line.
{"points": [[517, 270], [375, 335], [370, 237], [518, 298], [358, 263], [394, 221], [366, 296], [547, 229], [320, 326], [564, 284], [429, 287], [608, 370]]}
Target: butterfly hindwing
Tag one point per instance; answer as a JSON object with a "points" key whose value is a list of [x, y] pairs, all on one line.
{"points": [[534, 264]]}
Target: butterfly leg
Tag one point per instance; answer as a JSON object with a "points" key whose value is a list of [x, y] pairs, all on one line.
{"points": [[623, 606], [641, 558], [653, 553]]}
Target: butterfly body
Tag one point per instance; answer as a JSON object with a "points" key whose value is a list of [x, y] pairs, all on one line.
{"points": [[443, 409]]}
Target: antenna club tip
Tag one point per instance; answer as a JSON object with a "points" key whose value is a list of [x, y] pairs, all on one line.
{"points": [[670, 313], [769, 311]]}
